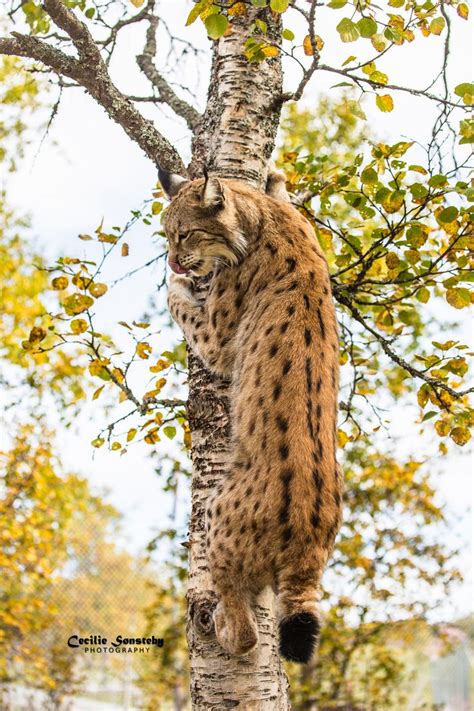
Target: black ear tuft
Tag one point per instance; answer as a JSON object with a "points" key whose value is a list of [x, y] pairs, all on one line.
{"points": [[299, 636], [170, 182]]}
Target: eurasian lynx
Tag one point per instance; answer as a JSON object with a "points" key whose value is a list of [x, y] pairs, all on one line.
{"points": [[268, 323]]}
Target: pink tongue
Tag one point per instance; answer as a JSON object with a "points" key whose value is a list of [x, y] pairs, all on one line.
{"points": [[177, 268]]}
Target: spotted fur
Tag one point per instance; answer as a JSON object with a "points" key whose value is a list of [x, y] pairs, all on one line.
{"points": [[268, 323]]}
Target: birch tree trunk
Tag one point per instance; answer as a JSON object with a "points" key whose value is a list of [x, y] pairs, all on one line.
{"points": [[236, 139]]}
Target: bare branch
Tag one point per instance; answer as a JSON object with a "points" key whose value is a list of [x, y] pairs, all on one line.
{"points": [[145, 61], [33, 48], [90, 71]]}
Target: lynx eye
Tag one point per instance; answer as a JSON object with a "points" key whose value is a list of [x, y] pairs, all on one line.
{"points": [[182, 236]]}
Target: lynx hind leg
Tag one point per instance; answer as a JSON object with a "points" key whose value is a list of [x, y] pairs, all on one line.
{"points": [[235, 624], [234, 620]]}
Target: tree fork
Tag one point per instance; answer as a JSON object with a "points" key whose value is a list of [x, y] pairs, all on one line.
{"points": [[235, 139]]}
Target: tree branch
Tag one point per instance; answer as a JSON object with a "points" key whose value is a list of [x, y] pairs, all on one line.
{"points": [[308, 73], [394, 87], [387, 348], [145, 61], [90, 71]]}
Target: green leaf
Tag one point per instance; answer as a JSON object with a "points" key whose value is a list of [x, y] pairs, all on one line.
{"points": [[337, 4], [449, 214], [279, 5], [437, 181], [418, 190], [259, 3], [466, 92], [423, 295], [348, 30], [288, 35], [369, 176], [367, 27], [216, 25], [170, 432]]}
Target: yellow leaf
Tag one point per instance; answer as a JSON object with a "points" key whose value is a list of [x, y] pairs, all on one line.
{"points": [[137, 3], [270, 51], [442, 428], [161, 365], [79, 325], [307, 46], [98, 289], [77, 303], [144, 350], [187, 437], [422, 396], [36, 335], [97, 442], [237, 9], [140, 324], [118, 375], [384, 102], [125, 250], [459, 298], [342, 438], [463, 11], [110, 239], [85, 238], [98, 392], [437, 25], [392, 260], [80, 281], [152, 437], [160, 384], [131, 434], [60, 283], [460, 435], [116, 446], [99, 367]]}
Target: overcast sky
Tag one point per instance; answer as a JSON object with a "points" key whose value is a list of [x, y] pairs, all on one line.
{"points": [[88, 169]]}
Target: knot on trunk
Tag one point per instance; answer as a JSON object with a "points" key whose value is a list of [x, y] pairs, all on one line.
{"points": [[201, 609]]}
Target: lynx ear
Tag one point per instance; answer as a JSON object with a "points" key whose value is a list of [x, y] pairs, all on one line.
{"points": [[171, 182], [276, 185], [212, 192]]}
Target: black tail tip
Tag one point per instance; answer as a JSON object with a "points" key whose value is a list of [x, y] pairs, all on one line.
{"points": [[299, 635]]}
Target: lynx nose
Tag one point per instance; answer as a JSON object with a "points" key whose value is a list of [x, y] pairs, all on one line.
{"points": [[176, 267]]}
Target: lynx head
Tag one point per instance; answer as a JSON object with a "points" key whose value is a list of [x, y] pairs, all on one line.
{"points": [[201, 224]]}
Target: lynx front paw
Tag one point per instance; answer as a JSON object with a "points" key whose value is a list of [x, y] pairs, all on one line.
{"points": [[236, 629], [181, 287]]}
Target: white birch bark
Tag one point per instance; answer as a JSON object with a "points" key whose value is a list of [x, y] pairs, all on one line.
{"points": [[236, 139]]}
